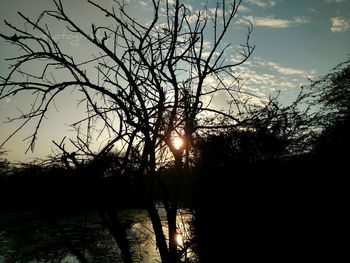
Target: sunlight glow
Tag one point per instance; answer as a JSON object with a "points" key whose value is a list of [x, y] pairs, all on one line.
{"points": [[178, 143], [179, 240]]}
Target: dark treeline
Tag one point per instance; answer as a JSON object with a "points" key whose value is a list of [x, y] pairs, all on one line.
{"points": [[292, 155], [141, 87], [256, 175], [284, 157]]}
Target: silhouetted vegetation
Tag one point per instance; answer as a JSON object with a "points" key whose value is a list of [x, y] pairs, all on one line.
{"points": [[258, 158], [331, 145], [272, 161], [246, 173], [5, 166], [148, 85]]}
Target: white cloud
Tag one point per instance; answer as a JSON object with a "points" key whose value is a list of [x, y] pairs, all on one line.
{"points": [[262, 78], [194, 17], [206, 44], [205, 54], [271, 21], [243, 9], [212, 11], [286, 70], [336, 1], [299, 20], [263, 3], [211, 81], [339, 24], [142, 3], [281, 69]]}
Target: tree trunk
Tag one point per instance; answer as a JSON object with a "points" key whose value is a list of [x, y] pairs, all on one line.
{"points": [[158, 231], [171, 216]]}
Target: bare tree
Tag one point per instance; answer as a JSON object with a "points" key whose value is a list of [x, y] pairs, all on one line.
{"points": [[145, 85]]}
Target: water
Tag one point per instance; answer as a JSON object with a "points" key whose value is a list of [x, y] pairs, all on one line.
{"points": [[29, 237]]}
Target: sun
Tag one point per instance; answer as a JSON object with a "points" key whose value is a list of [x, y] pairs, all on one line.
{"points": [[178, 143]]}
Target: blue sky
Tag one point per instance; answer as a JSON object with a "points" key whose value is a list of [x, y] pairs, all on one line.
{"points": [[295, 40]]}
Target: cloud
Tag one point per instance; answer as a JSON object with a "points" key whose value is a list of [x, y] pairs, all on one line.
{"points": [[243, 9], [205, 54], [263, 3], [271, 21], [281, 69], [271, 73], [198, 13], [143, 3], [171, 2], [219, 12], [189, 7], [286, 70], [299, 20], [339, 24], [336, 1], [261, 78]]}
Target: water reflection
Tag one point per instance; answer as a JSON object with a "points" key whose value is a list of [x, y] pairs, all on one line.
{"points": [[142, 234], [29, 237]]}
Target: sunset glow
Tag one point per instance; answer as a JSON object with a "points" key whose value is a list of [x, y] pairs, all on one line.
{"points": [[179, 240], [178, 143]]}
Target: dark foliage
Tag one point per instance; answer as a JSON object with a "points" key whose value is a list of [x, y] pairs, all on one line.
{"points": [[332, 145], [250, 177]]}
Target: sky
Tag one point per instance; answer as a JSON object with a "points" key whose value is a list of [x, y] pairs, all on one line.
{"points": [[296, 40]]}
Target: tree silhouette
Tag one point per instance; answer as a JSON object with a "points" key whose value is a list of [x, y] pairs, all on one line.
{"points": [[259, 167], [332, 93], [5, 166], [144, 85]]}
